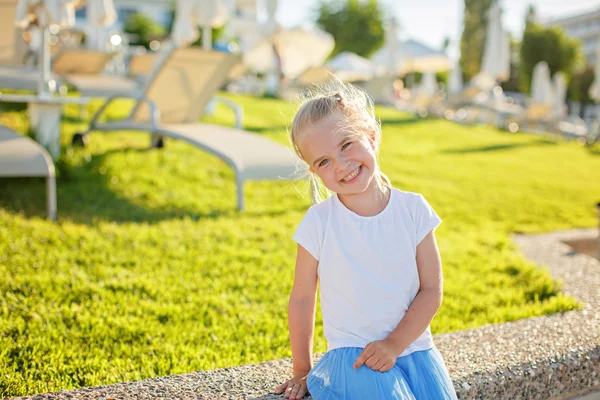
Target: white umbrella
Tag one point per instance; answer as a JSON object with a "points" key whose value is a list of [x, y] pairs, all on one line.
{"points": [[271, 25], [541, 85], [410, 56], [351, 67], [560, 94], [418, 57], [47, 13], [246, 8], [100, 14], [298, 48], [387, 59], [393, 47], [247, 30], [428, 85], [316, 75], [190, 14], [594, 91], [495, 65], [185, 30], [455, 80]]}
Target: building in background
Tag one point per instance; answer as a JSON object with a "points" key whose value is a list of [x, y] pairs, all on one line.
{"points": [[585, 27]]}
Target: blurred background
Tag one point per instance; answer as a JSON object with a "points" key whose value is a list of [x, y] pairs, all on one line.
{"points": [[395, 40]]}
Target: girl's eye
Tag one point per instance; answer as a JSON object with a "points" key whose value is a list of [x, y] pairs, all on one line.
{"points": [[323, 162], [346, 145]]}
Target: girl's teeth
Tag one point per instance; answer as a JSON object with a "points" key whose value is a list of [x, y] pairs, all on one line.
{"points": [[352, 175]]}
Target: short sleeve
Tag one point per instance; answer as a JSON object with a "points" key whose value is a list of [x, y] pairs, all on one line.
{"points": [[426, 218], [307, 234]]}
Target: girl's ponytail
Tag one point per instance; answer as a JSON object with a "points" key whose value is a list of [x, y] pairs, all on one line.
{"points": [[384, 179]]}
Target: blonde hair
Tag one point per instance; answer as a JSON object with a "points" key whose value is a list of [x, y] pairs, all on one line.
{"points": [[358, 110]]}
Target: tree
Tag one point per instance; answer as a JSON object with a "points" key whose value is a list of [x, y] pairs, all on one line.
{"points": [[446, 43], [143, 29], [216, 33], [551, 45], [356, 26], [580, 86], [473, 36], [530, 17]]}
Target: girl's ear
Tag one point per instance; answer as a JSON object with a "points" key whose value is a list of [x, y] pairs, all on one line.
{"points": [[372, 140]]}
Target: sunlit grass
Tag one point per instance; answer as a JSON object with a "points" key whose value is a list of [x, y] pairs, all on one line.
{"points": [[152, 271]]}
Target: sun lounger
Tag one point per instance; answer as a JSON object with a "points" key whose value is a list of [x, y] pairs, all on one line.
{"points": [[68, 64], [173, 103], [141, 69], [535, 117], [22, 157]]}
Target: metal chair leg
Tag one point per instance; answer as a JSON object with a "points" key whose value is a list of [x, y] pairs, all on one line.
{"points": [[51, 196]]}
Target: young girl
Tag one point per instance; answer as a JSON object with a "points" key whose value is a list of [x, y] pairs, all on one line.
{"points": [[373, 251]]}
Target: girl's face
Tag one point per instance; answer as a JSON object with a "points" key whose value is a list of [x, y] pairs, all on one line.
{"points": [[346, 164]]}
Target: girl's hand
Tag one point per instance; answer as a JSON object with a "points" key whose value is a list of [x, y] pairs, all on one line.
{"points": [[295, 388], [379, 355]]}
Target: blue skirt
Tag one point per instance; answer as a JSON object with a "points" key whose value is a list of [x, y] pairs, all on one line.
{"points": [[419, 375]]}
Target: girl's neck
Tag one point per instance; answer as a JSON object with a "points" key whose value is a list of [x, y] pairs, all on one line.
{"points": [[368, 203]]}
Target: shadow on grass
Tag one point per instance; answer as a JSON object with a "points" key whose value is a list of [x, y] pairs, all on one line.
{"points": [[74, 119], [6, 107], [386, 121], [262, 129], [594, 149], [499, 147], [84, 196]]}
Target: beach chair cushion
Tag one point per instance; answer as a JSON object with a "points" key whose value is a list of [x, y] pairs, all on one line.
{"points": [[250, 155], [80, 61], [104, 86], [19, 78], [77, 65], [20, 156]]}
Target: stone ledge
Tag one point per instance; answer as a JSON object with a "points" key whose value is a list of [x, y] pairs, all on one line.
{"points": [[535, 358]]}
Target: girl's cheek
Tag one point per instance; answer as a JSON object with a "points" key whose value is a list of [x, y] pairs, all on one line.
{"points": [[362, 146]]}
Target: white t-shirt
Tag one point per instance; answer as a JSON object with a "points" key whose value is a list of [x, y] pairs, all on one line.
{"points": [[367, 266]]}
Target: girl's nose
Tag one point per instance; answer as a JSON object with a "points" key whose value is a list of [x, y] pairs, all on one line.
{"points": [[341, 164]]}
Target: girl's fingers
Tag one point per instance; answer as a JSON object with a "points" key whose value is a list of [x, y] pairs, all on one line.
{"points": [[301, 392], [379, 364], [364, 356], [372, 361], [281, 387], [295, 390], [384, 368]]}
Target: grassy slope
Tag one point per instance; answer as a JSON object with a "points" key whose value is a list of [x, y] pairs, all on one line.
{"points": [[151, 271]]}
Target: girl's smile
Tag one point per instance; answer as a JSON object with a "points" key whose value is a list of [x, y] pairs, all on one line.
{"points": [[352, 176]]}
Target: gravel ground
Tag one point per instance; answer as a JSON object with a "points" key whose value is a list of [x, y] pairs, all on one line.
{"points": [[537, 358]]}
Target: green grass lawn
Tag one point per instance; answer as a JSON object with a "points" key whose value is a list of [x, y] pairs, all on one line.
{"points": [[151, 271]]}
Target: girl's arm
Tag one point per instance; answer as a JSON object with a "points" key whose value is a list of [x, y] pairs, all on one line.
{"points": [[381, 355], [301, 320], [428, 299], [301, 311]]}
